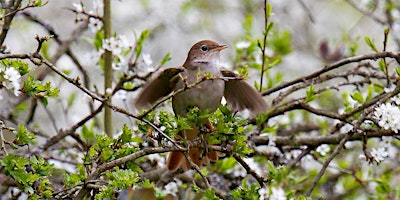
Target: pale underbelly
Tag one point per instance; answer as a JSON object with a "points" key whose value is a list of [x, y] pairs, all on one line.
{"points": [[207, 95]]}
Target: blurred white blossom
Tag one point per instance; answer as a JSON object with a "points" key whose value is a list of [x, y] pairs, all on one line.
{"points": [[147, 59], [78, 7], [274, 194], [243, 44], [120, 94], [263, 192], [379, 154], [346, 128], [387, 115], [386, 141], [323, 149], [98, 5], [11, 78], [94, 24], [277, 194], [172, 187]]}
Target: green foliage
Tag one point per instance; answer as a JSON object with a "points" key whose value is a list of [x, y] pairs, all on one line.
{"points": [[139, 43], [310, 96], [357, 96], [38, 90], [117, 179], [26, 172], [280, 42], [18, 64], [371, 44], [75, 179], [24, 137], [209, 194], [166, 58], [246, 191]]}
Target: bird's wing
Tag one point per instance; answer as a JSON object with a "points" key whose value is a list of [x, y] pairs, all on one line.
{"points": [[240, 95], [157, 88]]}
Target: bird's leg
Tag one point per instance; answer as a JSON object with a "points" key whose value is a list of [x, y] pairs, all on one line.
{"points": [[209, 128]]}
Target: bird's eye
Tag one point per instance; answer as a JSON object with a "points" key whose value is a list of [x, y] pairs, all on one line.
{"points": [[204, 48]]}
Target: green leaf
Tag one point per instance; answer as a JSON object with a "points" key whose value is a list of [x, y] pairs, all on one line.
{"points": [[18, 64], [358, 97], [71, 99], [106, 154], [166, 58], [23, 136], [139, 43], [268, 10], [398, 71], [370, 44], [248, 24], [370, 92], [126, 135], [310, 96], [39, 90]]}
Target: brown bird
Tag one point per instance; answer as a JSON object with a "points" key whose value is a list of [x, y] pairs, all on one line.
{"points": [[202, 59]]}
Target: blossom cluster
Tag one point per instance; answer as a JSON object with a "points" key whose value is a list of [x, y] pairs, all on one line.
{"points": [[387, 115], [94, 22], [172, 187], [273, 194], [10, 79]]}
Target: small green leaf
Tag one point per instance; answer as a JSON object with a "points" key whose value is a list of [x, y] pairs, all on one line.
{"points": [[166, 58], [398, 71], [23, 136], [370, 44], [310, 96], [370, 92], [358, 97], [126, 135], [268, 10]]}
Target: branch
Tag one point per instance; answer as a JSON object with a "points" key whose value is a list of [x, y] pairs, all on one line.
{"points": [[375, 56]]}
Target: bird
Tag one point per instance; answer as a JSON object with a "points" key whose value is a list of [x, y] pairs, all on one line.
{"points": [[202, 61]]}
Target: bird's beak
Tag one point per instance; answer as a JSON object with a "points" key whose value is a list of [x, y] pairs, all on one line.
{"points": [[221, 47]]}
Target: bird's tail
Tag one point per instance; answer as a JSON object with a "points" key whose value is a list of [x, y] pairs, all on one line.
{"points": [[176, 159]]}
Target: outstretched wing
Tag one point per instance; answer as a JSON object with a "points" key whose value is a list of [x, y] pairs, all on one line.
{"points": [[240, 95], [157, 88]]}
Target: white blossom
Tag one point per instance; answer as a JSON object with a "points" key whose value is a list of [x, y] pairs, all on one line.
{"points": [[323, 149], [78, 7], [277, 194], [243, 44], [11, 80], [172, 187], [116, 66], [293, 154], [109, 91], [120, 94], [94, 24], [386, 141], [379, 154], [98, 5], [387, 115], [274, 194], [238, 171], [147, 59], [390, 88], [263, 192], [346, 128], [116, 45], [112, 44]]}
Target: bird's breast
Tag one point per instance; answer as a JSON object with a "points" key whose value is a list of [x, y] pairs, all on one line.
{"points": [[206, 95]]}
